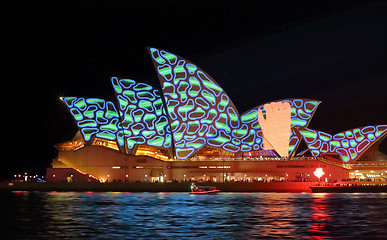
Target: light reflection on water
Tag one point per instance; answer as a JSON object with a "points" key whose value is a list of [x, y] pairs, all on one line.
{"points": [[54, 215]]}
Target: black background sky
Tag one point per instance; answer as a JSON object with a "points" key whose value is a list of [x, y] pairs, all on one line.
{"points": [[258, 51]]}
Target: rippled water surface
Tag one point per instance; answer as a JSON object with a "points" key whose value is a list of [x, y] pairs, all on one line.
{"points": [[67, 215]]}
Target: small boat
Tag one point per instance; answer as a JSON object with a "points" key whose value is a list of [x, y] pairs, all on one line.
{"points": [[203, 189]]}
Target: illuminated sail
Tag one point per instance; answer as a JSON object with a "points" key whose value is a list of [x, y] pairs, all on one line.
{"points": [[350, 145]]}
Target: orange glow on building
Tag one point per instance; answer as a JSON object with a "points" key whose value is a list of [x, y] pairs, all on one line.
{"points": [[71, 145], [105, 143], [151, 152]]}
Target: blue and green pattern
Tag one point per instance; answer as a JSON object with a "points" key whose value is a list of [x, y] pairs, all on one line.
{"points": [[350, 144], [142, 112], [199, 110], [96, 118]]}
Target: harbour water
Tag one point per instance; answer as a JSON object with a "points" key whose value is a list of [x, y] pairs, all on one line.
{"points": [[71, 215]]}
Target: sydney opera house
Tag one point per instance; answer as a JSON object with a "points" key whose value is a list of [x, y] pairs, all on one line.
{"points": [[191, 130]]}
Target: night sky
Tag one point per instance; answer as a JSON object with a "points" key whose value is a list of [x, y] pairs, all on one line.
{"points": [[333, 51]]}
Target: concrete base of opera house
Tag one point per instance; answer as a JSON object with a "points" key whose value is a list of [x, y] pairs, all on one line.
{"points": [[94, 163], [294, 187]]}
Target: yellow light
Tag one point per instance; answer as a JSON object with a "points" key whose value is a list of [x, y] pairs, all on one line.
{"points": [[319, 172]]}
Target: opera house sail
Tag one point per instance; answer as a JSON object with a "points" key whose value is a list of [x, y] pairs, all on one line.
{"points": [[192, 129]]}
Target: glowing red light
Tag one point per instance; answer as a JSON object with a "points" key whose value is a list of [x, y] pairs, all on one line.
{"points": [[319, 172]]}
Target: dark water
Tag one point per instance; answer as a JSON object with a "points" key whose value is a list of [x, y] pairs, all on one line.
{"points": [[31, 215]]}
